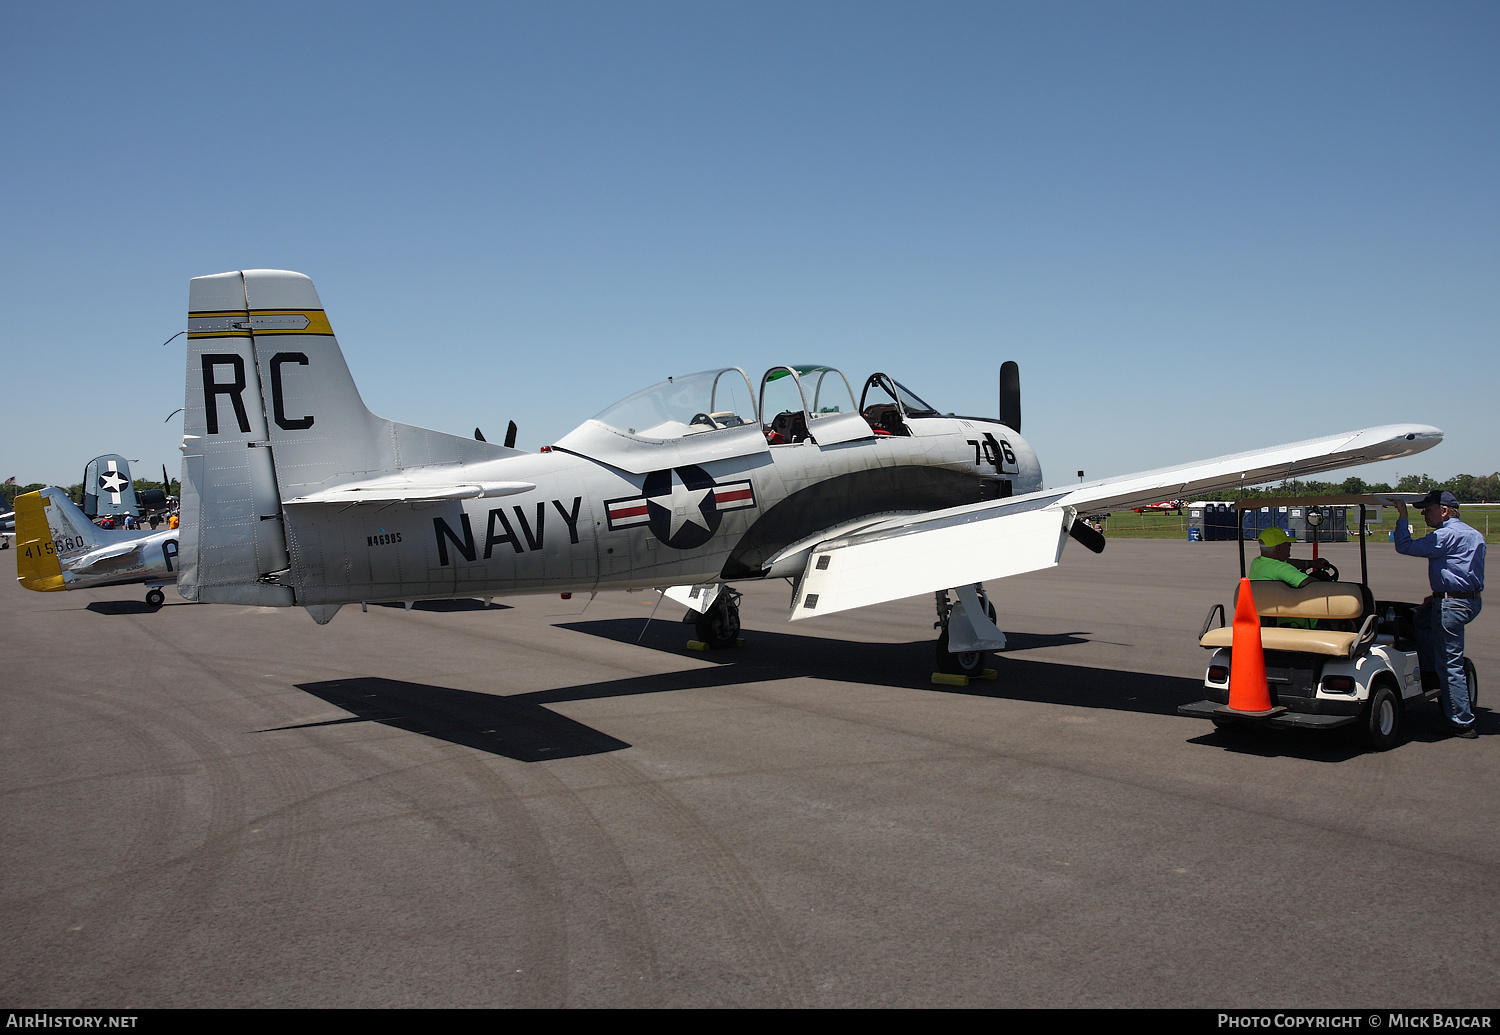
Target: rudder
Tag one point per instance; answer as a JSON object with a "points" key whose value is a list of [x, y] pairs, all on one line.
{"points": [[37, 565], [272, 414]]}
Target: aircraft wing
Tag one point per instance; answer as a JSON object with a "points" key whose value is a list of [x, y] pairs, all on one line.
{"points": [[926, 553]]}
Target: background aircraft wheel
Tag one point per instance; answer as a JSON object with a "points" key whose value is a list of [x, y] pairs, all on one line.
{"points": [[719, 626], [966, 663], [155, 597], [1381, 722], [1472, 678]]}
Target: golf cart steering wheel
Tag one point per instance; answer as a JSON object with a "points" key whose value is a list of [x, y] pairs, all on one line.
{"points": [[1328, 574]]}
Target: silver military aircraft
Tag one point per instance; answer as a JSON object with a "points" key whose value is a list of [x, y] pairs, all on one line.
{"points": [[293, 493], [59, 548]]}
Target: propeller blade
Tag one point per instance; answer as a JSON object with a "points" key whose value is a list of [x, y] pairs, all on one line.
{"points": [[479, 436], [510, 436], [1010, 395]]}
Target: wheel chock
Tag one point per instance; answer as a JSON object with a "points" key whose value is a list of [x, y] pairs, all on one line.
{"points": [[954, 679], [700, 645]]}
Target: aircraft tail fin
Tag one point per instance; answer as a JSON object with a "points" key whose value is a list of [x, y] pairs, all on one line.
{"points": [[272, 415], [49, 530], [107, 488]]}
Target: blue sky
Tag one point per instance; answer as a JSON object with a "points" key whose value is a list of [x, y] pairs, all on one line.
{"points": [[1198, 227]]}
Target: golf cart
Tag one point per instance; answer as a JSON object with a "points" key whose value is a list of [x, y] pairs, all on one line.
{"points": [[1334, 655]]}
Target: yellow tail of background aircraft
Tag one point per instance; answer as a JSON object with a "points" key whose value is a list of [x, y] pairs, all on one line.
{"points": [[59, 548]]}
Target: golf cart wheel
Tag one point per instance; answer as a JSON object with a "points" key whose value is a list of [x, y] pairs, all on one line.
{"points": [[1381, 721]]}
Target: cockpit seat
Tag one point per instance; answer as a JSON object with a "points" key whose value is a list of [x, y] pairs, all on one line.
{"points": [[788, 426], [885, 418]]}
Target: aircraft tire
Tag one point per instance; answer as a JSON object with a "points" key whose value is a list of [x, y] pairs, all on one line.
{"points": [[965, 663], [1471, 676], [155, 597], [719, 626]]}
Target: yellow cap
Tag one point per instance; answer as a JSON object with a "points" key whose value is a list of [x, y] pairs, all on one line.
{"points": [[1274, 537]]}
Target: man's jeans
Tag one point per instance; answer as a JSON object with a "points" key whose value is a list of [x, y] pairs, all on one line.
{"points": [[1440, 649]]}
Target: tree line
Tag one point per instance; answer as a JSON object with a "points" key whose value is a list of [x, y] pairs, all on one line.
{"points": [[75, 491], [1467, 488]]}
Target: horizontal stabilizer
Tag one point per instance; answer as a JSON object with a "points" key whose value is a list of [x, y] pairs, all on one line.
{"points": [[873, 567], [107, 553], [384, 491]]}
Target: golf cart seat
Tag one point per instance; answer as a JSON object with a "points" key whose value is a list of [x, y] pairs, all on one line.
{"points": [[1342, 610]]}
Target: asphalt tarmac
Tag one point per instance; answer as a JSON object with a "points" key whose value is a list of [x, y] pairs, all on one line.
{"points": [[535, 804]]}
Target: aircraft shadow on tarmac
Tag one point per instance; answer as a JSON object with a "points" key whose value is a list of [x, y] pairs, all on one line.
{"points": [[522, 727], [779, 655], [121, 607], [517, 727]]}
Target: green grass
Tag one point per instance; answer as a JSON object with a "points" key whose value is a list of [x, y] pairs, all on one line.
{"points": [[1155, 525]]}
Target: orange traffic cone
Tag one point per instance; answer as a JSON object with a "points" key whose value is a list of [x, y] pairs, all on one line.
{"points": [[1249, 692]]}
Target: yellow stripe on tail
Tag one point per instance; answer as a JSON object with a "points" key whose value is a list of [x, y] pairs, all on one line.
{"points": [[36, 558]]}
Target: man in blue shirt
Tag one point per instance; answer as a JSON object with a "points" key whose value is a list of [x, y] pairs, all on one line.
{"points": [[1455, 571]]}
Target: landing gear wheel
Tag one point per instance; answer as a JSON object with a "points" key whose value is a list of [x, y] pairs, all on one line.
{"points": [[155, 597], [1381, 721], [966, 663], [719, 626], [1472, 678]]}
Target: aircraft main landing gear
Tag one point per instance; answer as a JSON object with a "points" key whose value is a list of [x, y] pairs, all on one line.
{"points": [[155, 598], [964, 662], [719, 626]]}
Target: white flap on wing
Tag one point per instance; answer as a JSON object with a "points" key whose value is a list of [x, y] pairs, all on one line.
{"points": [[875, 567]]}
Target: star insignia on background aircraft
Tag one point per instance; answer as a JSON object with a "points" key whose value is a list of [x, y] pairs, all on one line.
{"points": [[685, 486]]}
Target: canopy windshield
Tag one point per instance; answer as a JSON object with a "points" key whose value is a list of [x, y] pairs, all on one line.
{"points": [[884, 389], [696, 403], [823, 390]]}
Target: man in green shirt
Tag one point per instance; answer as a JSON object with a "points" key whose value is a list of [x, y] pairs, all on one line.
{"points": [[1275, 562]]}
